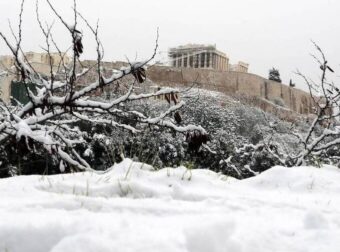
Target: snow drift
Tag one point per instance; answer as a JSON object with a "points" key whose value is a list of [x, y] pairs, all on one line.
{"points": [[134, 208]]}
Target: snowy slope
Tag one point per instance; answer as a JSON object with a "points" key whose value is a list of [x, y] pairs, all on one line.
{"points": [[132, 208]]}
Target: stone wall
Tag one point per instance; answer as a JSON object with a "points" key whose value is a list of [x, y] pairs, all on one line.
{"points": [[5, 87], [237, 83], [251, 88], [39, 61], [5, 82]]}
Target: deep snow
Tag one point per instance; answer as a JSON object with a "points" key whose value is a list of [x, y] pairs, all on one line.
{"points": [[133, 208]]}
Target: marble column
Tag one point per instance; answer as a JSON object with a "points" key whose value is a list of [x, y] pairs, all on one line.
{"points": [[216, 61], [213, 56], [221, 63], [199, 60]]}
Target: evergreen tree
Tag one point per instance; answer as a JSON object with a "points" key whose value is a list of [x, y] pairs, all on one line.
{"points": [[274, 75]]}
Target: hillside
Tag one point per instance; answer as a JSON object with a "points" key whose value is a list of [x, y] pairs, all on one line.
{"points": [[236, 132]]}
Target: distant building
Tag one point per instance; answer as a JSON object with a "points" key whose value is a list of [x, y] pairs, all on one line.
{"points": [[203, 56], [239, 67], [198, 56], [41, 63], [7, 61]]}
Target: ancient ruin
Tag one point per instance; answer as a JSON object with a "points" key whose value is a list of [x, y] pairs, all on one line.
{"points": [[203, 57], [198, 56]]}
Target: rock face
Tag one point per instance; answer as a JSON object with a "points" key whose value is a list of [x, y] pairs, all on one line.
{"points": [[282, 100]]}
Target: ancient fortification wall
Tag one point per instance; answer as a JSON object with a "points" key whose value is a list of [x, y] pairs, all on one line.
{"points": [[261, 92], [249, 88]]}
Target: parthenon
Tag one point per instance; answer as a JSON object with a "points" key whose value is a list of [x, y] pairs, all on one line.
{"points": [[199, 56]]}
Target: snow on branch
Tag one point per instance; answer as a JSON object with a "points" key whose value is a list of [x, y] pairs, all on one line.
{"points": [[63, 99], [322, 133]]}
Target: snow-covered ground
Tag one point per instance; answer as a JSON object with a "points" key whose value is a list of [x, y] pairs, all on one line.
{"points": [[132, 208]]}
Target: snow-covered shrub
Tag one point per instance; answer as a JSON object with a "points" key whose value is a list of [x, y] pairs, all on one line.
{"points": [[231, 126], [279, 101]]}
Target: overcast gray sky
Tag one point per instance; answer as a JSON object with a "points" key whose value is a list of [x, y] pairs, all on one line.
{"points": [[264, 33]]}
